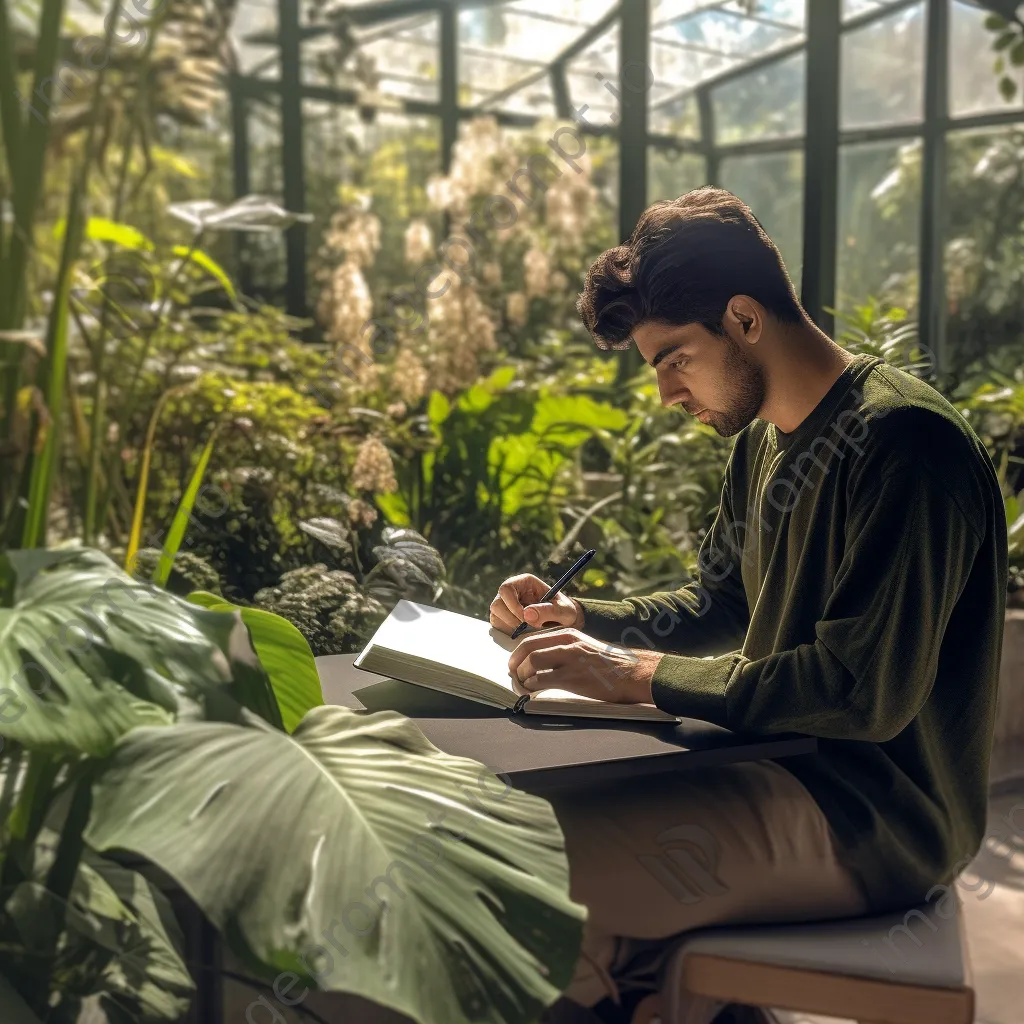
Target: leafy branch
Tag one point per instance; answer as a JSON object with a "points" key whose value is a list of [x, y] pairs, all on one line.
{"points": [[1008, 45]]}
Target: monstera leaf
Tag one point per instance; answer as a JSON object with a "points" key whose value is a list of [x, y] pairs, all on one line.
{"points": [[356, 855], [87, 653]]}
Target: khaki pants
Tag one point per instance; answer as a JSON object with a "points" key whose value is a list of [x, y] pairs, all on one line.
{"points": [[656, 856]]}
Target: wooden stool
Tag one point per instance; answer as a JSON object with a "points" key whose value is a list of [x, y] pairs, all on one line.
{"points": [[909, 967]]}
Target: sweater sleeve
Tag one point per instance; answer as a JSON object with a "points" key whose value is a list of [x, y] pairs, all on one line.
{"points": [[908, 550], [709, 615]]}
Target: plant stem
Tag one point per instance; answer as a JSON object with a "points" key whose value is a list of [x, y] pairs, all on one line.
{"points": [[128, 399], [61, 876], [27, 817]]}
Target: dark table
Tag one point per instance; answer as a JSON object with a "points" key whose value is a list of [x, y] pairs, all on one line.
{"points": [[544, 752]]}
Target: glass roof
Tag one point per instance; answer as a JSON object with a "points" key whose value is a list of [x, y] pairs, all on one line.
{"points": [[506, 50]]}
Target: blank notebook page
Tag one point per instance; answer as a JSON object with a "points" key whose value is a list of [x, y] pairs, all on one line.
{"points": [[457, 641]]}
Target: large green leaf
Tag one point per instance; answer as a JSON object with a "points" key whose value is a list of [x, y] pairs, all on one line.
{"points": [[101, 229], [357, 854], [87, 653], [568, 420], [524, 470], [283, 653]]}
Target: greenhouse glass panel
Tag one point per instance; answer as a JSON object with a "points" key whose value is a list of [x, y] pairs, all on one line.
{"points": [[984, 245], [772, 185], [388, 61], [882, 68], [730, 29], [593, 79], [766, 103], [696, 41], [679, 115], [973, 84], [855, 8], [670, 174], [879, 220], [505, 51], [256, 18]]}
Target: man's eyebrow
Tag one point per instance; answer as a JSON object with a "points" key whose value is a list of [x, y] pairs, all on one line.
{"points": [[665, 352]]}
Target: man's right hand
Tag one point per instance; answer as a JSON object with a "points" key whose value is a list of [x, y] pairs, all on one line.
{"points": [[517, 601]]}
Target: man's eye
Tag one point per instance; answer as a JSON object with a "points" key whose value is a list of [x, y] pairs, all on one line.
{"points": [[679, 363]]}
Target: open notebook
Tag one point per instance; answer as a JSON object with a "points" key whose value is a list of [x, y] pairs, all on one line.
{"points": [[466, 657]]}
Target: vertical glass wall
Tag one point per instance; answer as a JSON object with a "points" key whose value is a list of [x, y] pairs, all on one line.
{"points": [[926, 145]]}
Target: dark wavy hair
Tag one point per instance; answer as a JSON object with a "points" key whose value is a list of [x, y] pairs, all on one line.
{"points": [[684, 261]]}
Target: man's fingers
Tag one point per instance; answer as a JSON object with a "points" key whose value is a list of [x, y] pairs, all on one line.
{"points": [[501, 618], [537, 614], [510, 595], [542, 660], [536, 642]]}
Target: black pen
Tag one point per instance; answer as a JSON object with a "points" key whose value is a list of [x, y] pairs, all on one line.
{"points": [[556, 588]]}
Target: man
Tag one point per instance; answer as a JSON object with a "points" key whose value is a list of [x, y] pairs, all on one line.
{"points": [[852, 588]]}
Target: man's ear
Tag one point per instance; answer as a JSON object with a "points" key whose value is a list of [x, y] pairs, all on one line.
{"points": [[745, 316]]}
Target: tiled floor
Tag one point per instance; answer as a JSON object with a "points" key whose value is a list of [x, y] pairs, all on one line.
{"points": [[992, 889]]}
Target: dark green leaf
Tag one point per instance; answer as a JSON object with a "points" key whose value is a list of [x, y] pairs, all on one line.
{"points": [[88, 653], [332, 532], [356, 853]]}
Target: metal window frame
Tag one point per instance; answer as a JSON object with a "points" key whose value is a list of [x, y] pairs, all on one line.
{"points": [[821, 141]]}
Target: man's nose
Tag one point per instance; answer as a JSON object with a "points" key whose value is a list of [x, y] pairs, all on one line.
{"points": [[674, 396]]}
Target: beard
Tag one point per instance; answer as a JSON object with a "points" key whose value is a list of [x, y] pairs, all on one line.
{"points": [[746, 392]]}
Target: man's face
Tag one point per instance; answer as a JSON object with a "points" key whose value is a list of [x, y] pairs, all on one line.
{"points": [[712, 377]]}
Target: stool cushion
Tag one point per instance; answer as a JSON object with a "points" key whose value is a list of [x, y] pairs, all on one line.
{"points": [[916, 946]]}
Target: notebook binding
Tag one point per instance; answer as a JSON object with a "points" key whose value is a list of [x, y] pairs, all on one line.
{"points": [[520, 704]]}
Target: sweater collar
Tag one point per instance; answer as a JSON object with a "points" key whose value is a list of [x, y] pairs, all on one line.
{"points": [[816, 419]]}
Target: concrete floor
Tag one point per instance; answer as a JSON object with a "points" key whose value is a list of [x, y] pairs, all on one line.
{"points": [[992, 890]]}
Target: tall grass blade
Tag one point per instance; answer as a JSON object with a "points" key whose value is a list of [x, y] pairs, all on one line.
{"points": [[183, 515], [56, 365], [135, 536]]}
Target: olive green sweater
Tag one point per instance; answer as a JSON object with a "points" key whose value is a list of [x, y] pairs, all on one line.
{"points": [[852, 588]]}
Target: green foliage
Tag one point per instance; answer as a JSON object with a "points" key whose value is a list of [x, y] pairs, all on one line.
{"points": [[1009, 48], [326, 606], [189, 572], [162, 732], [283, 652]]}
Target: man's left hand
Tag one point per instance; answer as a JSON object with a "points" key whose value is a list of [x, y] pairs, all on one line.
{"points": [[566, 659]]}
